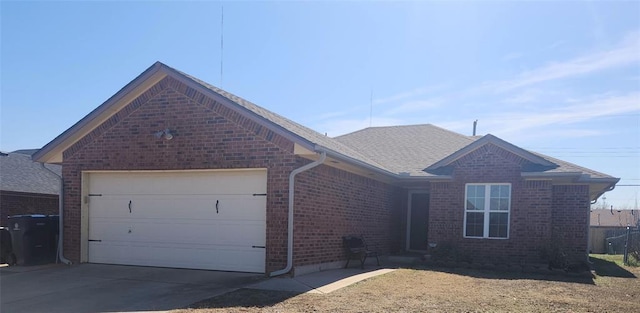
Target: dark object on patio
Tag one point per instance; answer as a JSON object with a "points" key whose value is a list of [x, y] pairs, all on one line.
{"points": [[356, 248], [6, 251]]}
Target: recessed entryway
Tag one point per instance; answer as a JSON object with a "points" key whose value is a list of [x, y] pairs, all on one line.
{"points": [[417, 221]]}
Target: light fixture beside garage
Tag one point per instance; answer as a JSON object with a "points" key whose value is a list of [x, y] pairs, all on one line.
{"points": [[166, 134]]}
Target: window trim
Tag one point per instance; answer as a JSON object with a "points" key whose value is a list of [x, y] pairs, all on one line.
{"points": [[486, 211]]}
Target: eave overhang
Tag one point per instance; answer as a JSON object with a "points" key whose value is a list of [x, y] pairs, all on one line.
{"points": [[597, 185]]}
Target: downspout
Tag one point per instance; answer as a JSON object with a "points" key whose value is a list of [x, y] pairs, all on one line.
{"points": [[292, 177], [60, 217]]}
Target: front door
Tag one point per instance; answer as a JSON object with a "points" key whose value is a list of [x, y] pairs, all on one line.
{"points": [[417, 221]]}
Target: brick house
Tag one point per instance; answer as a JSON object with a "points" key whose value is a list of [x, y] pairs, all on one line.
{"points": [[27, 187], [171, 171]]}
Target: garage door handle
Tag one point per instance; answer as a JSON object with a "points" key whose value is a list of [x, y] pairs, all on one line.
{"points": [[261, 247], [96, 240], [217, 201], [129, 206]]}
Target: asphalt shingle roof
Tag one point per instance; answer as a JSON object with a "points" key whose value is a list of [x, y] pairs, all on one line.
{"points": [[567, 167], [414, 147], [406, 149], [19, 173]]}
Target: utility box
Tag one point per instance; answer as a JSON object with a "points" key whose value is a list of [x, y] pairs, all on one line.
{"points": [[34, 238]]}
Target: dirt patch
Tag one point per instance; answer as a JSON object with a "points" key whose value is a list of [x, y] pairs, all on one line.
{"points": [[442, 290]]}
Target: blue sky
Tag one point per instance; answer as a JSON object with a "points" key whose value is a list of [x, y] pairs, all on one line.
{"points": [[560, 78]]}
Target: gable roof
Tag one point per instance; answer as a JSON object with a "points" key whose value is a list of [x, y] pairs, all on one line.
{"points": [[535, 159], [21, 174], [306, 137]]}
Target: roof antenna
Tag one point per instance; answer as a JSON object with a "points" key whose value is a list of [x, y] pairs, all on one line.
{"points": [[475, 124], [221, 42], [371, 108]]}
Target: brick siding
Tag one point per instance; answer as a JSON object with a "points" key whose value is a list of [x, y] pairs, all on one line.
{"points": [[331, 203], [21, 203], [570, 228]]}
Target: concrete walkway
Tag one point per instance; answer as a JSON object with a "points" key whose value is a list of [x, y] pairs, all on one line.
{"points": [[320, 282]]}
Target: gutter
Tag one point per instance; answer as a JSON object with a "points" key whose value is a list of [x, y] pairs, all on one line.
{"points": [[60, 218], [292, 177], [351, 160]]}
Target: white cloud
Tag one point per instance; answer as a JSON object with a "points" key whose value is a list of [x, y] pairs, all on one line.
{"points": [[561, 122], [344, 126], [576, 112], [525, 96], [626, 53], [408, 94], [513, 56], [335, 114], [414, 106]]}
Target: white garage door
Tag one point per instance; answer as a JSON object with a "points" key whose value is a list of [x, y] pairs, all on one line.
{"points": [[203, 220]]}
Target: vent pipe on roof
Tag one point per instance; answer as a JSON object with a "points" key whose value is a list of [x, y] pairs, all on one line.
{"points": [[475, 124], [292, 178]]}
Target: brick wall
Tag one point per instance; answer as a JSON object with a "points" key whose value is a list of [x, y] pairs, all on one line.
{"points": [[570, 220], [20, 203], [329, 202], [530, 216]]}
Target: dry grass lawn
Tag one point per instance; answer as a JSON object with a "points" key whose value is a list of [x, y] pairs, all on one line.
{"points": [[614, 288]]}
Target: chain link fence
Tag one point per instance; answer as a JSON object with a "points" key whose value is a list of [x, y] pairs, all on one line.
{"points": [[626, 244]]}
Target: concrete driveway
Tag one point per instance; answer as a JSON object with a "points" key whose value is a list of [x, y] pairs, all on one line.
{"points": [[110, 288]]}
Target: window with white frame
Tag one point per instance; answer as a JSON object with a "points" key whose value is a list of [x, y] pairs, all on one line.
{"points": [[486, 210]]}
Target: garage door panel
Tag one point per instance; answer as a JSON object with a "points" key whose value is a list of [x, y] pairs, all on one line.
{"points": [[202, 233], [157, 227], [179, 207], [181, 183], [221, 258]]}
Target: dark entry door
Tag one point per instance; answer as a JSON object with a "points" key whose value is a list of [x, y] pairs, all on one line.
{"points": [[418, 221]]}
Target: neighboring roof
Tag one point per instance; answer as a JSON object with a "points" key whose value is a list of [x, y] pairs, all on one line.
{"points": [[406, 149], [26, 151], [21, 174], [615, 218]]}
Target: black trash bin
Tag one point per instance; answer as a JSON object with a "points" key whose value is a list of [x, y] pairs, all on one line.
{"points": [[6, 251], [33, 238]]}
